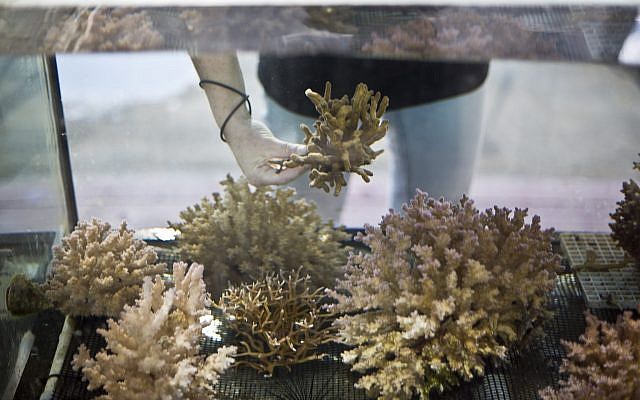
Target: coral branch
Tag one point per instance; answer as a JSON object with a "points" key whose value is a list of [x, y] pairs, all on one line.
{"points": [[279, 321], [343, 136]]}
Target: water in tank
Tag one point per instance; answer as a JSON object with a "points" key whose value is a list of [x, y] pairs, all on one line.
{"points": [[319, 202]]}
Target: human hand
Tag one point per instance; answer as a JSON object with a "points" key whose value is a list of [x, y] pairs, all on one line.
{"points": [[260, 154]]}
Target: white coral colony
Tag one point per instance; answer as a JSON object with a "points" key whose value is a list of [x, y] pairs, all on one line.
{"points": [[153, 349], [96, 270]]}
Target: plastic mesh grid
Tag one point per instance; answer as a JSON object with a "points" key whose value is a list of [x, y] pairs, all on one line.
{"points": [[577, 246], [613, 288], [167, 256], [70, 385], [578, 33], [606, 289], [550, 24], [327, 378], [605, 30], [554, 25], [519, 376]]}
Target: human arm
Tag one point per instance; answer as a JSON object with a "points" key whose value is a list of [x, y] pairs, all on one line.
{"points": [[253, 145]]}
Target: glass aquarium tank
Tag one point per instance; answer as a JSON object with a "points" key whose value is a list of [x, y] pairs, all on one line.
{"points": [[319, 202]]}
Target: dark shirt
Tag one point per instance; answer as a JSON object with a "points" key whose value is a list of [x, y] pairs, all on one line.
{"points": [[406, 83]]}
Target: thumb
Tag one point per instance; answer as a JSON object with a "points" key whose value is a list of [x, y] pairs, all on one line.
{"points": [[295, 148], [288, 175]]}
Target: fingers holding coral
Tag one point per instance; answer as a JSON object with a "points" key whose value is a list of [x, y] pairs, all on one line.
{"points": [[342, 136]]}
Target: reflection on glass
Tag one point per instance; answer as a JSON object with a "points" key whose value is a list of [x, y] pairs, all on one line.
{"points": [[558, 138], [32, 211]]}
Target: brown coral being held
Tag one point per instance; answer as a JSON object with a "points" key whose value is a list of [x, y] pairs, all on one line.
{"points": [[279, 321], [343, 136], [153, 350], [245, 234], [96, 271], [443, 288], [605, 364], [626, 219]]}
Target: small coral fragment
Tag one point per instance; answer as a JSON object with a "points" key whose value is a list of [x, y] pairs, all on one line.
{"points": [[153, 350], [444, 288], [96, 271], [343, 136], [25, 297], [605, 364], [279, 321], [245, 234], [626, 219]]}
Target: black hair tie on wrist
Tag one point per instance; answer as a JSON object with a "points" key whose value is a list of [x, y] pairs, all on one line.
{"points": [[245, 98]]}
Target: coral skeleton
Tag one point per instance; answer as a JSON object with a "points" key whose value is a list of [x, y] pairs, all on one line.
{"points": [[96, 271], [153, 349], [279, 321], [444, 288], [626, 218], [605, 364], [245, 234], [343, 135]]}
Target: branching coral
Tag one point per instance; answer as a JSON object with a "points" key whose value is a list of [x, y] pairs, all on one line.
{"points": [[343, 136], [444, 287], [626, 226], [279, 321], [244, 235], [96, 271], [605, 364], [153, 349]]}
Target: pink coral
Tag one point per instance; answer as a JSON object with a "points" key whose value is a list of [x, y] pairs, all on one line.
{"points": [[444, 287], [625, 227], [605, 364]]}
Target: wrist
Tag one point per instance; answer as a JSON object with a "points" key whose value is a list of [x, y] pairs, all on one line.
{"points": [[237, 129], [228, 106]]}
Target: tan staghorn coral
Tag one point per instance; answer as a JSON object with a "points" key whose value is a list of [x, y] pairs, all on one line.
{"points": [[605, 364], [343, 136], [244, 234], [96, 271], [444, 288], [153, 350], [279, 321]]}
